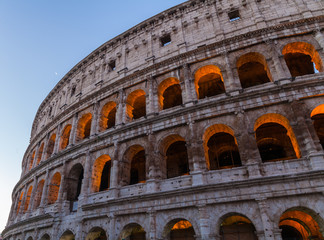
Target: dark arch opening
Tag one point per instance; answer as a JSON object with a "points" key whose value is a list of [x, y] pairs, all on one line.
{"points": [[290, 233], [299, 64], [137, 172], [172, 96], [237, 227], [74, 185], [210, 85], [139, 107], [318, 121], [252, 74], [177, 159], [223, 151], [111, 121], [105, 177]]}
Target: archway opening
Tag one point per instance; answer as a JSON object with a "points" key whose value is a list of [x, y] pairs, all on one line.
{"points": [[65, 137], [108, 116], [31, 162], [97, 233], [177, 163], [45, 237], [253, 70], [101, 174], [84, 127], [19, 201], [170, 94], [40, 153], [54, 188], [27, 200], [138, 173], [74, 184], [302, 59], [317, 116], [39, 192], [133, 231], [67, 235], [223, 151], [179, 229], [237, 227], [299, 224], [209, 81], [50, 145], [136, 104]]}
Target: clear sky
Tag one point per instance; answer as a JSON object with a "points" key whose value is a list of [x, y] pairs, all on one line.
{"points": [[40, 41]]}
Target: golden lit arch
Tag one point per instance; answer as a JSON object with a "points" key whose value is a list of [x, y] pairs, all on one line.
{"points": [[98, 167], [209, 74], [65, 137], [318, 110], [84, 127], [50, 145], [54, 188], [281, 120], [39, 192], [136, 104], [173, 98], [134, 170], [31, 162], [40, 153], [27, 200], [107, 116], [20, 201]]}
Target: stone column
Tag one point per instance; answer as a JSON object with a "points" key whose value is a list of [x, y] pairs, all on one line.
{"points": [[204, 222], [73, 130], [94, 120], [232, 84], [22, 203], [60, 195], [319, 38], [112, 229], [282, 72], [86, 179], [36, 154], [190, 93], [266, 221], [120, 108], [150, 102], [57, 139], [153, 171], [152, 228], [32, 197], [45, 190], [114, 188], [79, 233], [277, 234], [45, 148], [248, 148]]}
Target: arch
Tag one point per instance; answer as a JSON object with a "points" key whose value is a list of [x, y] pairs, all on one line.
{"points": [[178, 229], [134, 170], [30, 238], [19, 201], [74, 184], [302, 58], [209, 81], [275, 138], [97, 233], [65, 137], [84, 127], [136, 104], [67, 235], [27, 200], [133, 231], [50, 146], [45, 237], [175, 151], [317, 116], [101, 173], [220, 147], [54, 188], [40, 153], [31, 162], [108, 116], [253, 70], [39, 192], [236, 226], [301, 223], [169, 93]]}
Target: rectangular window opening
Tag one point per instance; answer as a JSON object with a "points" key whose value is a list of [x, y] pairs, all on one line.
{"points": [[234, 15], [165, 40], [112, 66]]}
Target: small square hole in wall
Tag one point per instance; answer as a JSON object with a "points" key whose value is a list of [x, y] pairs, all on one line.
{"points": [[73, 90], [234, 15], [165, 40], [112, 65]]}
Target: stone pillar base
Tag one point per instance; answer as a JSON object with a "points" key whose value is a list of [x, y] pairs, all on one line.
{"points": [[152, 186], [253, 170], [198, 178], [316, 160], [114, 193]]}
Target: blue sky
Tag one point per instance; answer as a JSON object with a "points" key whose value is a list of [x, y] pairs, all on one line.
{"points": [[40, 41]]}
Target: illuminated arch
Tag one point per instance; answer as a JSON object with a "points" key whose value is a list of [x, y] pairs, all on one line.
{"points": [[31, 161], [97, 233], [108, 116], [169, 93], [134, 170], [65, 137], [317, 116], [301, 58], [40, 153], [136, 104], [67, 235], [50, 145], [253, 70], [27, 200], [220, 147], [54, 188], [74, 184], [300, 222], [209, 81], [174, 149], [39, 192], [179, 229], [20, 201], [45, 237], [133, 231], [270, 124], [101, 173], [84, 127]]}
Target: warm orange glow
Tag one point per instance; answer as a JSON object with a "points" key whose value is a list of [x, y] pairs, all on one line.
{"points": [[84, 127], [302, 222], [318, 110], [27, 200], [234, 220], [105, 115], [19, 201], [277, 118], [136, 105], [40, 153], [65, 137], [50, 146], [168, 141], [54, 188], [307, 49], [39, 192], [97, 172], [165, 84], [130, 155], [183, 224], [31, 162]]}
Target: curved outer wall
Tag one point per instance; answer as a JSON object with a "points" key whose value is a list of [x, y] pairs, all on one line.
{"points": [[175, 47]]}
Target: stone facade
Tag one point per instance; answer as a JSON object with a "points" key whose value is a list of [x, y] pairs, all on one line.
{"points": [[202, 122]]}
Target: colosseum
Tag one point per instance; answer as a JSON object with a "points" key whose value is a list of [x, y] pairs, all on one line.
{"points": [[203, 122]]}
